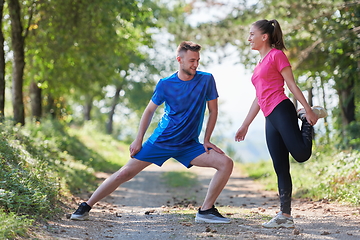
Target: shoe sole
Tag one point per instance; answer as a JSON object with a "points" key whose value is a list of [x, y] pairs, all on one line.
{"points": [[319, 111], [280, 227], [210, 221], [79, 218]]}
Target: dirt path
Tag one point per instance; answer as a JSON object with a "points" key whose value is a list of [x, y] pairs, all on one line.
{"points": [[144, 209]]}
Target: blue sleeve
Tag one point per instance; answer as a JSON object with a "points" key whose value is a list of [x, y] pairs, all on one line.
{"points": [[158, 95], [212, 92]]}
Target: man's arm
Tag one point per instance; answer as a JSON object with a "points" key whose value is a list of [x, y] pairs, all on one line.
{"points": [[144, 124], [213, 113]]}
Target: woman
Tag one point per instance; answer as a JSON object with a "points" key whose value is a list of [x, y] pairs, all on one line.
{"points": [[283, 135]]}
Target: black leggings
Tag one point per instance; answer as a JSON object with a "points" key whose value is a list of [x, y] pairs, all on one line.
{"points": [[283, 136]]}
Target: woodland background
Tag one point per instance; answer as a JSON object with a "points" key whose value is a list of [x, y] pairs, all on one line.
{"points": [[90, 60], [75, 77]]}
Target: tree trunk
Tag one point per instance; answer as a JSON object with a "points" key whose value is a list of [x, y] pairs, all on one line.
{"points": [[109, 125], [2, 64], [87, 108], [310, 96], [17, 41], [325, 106], [35, 97], [347, 107], [50, 106]]}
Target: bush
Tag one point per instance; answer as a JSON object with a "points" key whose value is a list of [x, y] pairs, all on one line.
{"points": [[12, 225], [28, 186], [339, 178], [43, 164]]}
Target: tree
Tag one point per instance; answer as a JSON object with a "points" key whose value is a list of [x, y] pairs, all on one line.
{"points": [[18, 45], [85, 45], [2, 63]]}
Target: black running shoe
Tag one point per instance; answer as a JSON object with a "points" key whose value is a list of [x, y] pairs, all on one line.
{"points": [[307, 131], [211, 215], [82, 213]]}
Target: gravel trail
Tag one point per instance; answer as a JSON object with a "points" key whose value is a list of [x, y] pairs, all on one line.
{"points": [[145, 209]]}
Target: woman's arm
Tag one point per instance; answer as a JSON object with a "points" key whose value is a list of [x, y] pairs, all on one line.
{"points": [[242, 131], [290, 82]]}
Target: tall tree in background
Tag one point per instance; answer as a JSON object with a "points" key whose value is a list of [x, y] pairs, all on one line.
{"points": [[2, 63], [18, 44], [18, 35]]}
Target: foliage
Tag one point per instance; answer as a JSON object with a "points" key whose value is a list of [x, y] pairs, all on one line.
{"points": [[77, 50], [104, 153], [334, 177], [42, 165], [28, 186], [12, 225], [74, 51]]}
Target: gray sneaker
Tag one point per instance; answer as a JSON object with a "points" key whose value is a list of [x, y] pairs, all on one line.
{"points": [[82, 213], [319, 111], [211, 215], [280, 221]]}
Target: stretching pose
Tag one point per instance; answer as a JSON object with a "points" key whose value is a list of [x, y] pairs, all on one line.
{"points": [[186, 94], [283, 135]]}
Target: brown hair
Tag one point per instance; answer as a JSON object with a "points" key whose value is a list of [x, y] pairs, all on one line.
{"points": [[187, 45], [273, 29]]}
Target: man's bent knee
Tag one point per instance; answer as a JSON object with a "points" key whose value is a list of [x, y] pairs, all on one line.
{"points": [[225, 163], [228, 163]]}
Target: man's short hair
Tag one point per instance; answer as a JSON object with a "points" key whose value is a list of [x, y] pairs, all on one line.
{"points": [[187, 45]]}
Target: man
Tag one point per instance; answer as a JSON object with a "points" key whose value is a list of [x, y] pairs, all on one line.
{"points": [[185, 94]]}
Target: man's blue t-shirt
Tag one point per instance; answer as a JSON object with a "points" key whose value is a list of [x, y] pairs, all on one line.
{"points": [[185, 104]]}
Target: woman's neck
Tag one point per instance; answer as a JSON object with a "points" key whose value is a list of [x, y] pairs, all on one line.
{"points": [[263, 52]]}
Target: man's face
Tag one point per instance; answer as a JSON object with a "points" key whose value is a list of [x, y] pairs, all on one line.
{"points": [[189, 61]]}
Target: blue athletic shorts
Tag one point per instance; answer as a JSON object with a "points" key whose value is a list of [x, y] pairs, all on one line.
{"points": [[158, 155]]}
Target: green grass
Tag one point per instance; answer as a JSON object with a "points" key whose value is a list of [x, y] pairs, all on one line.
{"points": [[106, 153], [12, 225], [180, 179], [261, 171]]}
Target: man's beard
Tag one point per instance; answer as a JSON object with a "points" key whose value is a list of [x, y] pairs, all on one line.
{"points": [[187, 72]]}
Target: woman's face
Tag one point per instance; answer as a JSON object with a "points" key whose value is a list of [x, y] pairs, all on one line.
{"points": [[256, 38]]}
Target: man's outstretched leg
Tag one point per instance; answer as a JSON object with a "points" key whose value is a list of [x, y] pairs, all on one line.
{"points": [[224, 166], [124, 174]]}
